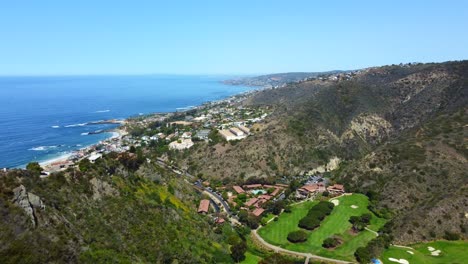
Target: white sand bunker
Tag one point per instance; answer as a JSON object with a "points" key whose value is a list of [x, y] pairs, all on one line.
{"points": [[402, 261], [410, 252], [434, 252], [354, 206], [335, 202]]}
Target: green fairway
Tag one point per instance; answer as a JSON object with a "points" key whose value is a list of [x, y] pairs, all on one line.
{"points": [[451, 252], [250, 258], [336, 223]]}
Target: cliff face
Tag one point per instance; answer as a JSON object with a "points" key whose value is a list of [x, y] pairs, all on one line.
{"points": [[380, 122]]}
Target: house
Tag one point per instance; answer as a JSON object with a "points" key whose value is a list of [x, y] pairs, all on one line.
{"points": [[203, 134], [258, 212], [187, 135], [219, 220], [181, 144], [336, 189], [204, 206], [93, 157], [238, 189], [251, 202]]}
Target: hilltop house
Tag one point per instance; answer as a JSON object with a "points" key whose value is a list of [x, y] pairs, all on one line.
{"points": [[235, 133], [181, 144]]}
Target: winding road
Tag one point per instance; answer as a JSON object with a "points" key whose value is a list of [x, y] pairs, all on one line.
{"points": [[307, 256]]}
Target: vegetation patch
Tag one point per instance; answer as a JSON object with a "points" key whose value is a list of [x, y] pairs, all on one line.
{"points": [[315, 215], [297, 236]]}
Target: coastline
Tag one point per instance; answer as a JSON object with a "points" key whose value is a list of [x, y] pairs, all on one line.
{"points": [[54, 164]]}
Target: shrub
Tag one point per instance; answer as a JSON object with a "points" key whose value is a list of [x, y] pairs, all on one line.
{"points": [[451, 236], [315, 215], [330, 242], [297, 236]]}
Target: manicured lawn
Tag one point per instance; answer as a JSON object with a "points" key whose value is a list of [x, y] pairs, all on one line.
{"points": [[336, 223], [451, 252], [250, 258]]}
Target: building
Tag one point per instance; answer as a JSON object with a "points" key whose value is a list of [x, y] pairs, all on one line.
{"points": [[186, 135], [93, 157], [244, 129], [258, 212], [203, 134], [336, 189], [253, 186], [251, 202], [238, 189], [235, 133], [181, 144], [204, 206]]}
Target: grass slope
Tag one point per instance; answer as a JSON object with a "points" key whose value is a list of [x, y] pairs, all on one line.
{"points": [[336, 223], [452, 252]]}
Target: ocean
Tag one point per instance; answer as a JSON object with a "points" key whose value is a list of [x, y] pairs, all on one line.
{"points": [[42, 118]]}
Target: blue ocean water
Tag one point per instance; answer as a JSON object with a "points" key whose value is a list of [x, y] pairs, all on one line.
{"points": [[42, 117]]}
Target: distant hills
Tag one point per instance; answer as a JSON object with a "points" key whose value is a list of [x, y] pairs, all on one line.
{"points": [[276, 79]]}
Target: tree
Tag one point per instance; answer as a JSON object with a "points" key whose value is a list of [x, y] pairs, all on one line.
{"points": [[297, 236], [238, 251], [34, 168], [362, 255], [330, 242]]}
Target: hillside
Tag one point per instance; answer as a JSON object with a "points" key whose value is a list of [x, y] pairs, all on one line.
{"points": [[277, 79], [409, 120], [105, 213]]}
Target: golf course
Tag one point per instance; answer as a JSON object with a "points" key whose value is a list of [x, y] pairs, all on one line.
{"points": [[432, 252], [336, 224]]}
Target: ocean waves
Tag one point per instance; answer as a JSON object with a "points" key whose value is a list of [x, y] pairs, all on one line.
{"points": [[44, 148]]}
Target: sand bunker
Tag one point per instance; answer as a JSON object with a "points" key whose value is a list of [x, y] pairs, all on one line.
{"points": [[431, 249], [436, 252], [354, 206], [335, 202], [402, 261], [410, 252]]}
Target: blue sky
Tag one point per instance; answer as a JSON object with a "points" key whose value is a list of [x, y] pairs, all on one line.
{"points": [[225, 37]]}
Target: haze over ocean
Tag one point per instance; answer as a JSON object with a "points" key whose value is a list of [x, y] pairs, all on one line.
{"points": [[42, 117]]}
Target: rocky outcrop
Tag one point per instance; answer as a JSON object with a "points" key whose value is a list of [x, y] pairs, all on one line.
{"points": [[29, 202], [101, 188]]}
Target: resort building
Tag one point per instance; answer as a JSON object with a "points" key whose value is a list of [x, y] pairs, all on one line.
{"points": [[258, 212], [336, 189], [238, 189]]}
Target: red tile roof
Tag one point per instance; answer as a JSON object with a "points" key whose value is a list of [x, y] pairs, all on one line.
{"points": [[252, 186], [275, 192], [251, 202], [204, 206], [310, 187], [238, 189], [258, 211], [337, 187], [265, 196]]}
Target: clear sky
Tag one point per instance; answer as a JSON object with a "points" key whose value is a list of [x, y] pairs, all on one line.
{"points": [[225, 37]]}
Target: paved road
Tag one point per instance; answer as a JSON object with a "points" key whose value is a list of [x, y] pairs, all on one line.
{"points": [[307, 256]]}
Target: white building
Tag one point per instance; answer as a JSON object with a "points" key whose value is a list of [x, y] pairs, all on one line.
{"points": [[181, 144]]}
